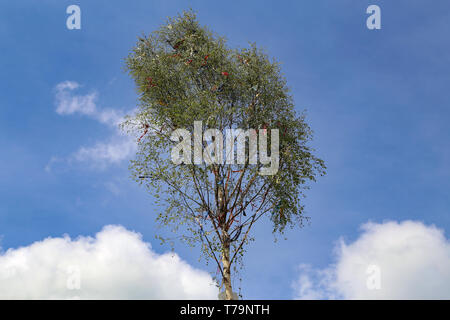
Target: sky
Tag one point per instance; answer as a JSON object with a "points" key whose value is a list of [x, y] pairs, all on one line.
{"points": [[377, 101]]}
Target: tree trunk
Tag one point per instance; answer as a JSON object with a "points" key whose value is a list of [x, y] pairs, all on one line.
{"points": [[227, 271]]}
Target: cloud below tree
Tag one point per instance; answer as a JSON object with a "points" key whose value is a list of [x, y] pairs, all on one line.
{"points": [[411, 259], [115, 264]]}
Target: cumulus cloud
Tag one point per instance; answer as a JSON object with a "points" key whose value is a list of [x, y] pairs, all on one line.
{"points": [[407, 260], [115, 264], [118, 148]]}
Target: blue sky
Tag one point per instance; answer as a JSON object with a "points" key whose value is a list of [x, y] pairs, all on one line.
{"points": [[377, 101]]}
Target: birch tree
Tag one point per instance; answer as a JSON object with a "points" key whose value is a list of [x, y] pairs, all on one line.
{"points": [[188, 78]]}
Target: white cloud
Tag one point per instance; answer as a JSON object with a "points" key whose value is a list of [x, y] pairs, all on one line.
{"points": [[112, 187], [102, 154], [53, 160], [116, 264], [68, 103], [413, 261]]}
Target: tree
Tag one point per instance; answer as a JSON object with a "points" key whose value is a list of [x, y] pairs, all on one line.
{"points": [[185, 74]]}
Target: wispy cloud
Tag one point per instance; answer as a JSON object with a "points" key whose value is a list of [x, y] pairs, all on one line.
{"points": [[102, 154], [118, 148], [68, 103]]}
